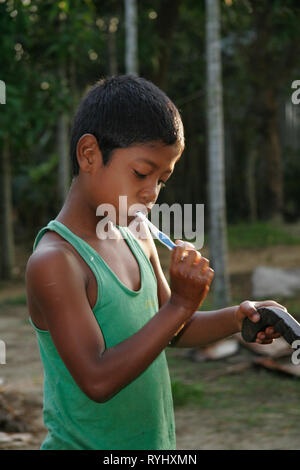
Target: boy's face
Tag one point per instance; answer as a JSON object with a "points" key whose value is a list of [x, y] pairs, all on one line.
{"points": [[137, 172]]}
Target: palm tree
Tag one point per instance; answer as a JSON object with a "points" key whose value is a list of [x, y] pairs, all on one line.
{"points": [[131, 56]]}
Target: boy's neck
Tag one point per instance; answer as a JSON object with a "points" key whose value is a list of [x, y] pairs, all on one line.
{"points": [[76, 213]]}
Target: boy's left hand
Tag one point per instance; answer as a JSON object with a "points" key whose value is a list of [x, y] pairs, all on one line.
{"points": [[248, 309]]}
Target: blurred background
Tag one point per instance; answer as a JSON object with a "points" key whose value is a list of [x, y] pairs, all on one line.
{"points": [[232, 68]]}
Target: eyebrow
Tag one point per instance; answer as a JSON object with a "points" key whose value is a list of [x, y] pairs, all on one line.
{"points": [[150, 162]]}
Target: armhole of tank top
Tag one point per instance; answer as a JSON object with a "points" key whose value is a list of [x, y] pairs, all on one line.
{"points": [[94, 270], [39, 236], [36, 328]]}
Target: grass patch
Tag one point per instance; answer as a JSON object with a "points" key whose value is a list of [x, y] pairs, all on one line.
{"points": [[253, 235], [253, 399], [184, 394], [259, 235], [292, 304], [18, 300]]}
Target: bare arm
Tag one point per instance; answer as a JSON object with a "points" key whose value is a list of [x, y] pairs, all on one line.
{"points": [[208, 327]]}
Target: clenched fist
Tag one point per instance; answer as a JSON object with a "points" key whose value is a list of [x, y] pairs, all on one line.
{"points": [[190, 276]]}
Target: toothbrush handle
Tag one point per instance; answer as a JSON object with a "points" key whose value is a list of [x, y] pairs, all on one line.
{"points": [[161, 236], [166, 240]]}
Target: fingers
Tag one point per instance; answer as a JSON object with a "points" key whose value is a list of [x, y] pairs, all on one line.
{"points": [[190, 275], [271, 332], [249, 309], [185, 250], [177, 253], [264, 341], [186, 245], [190, 263], [267, 336], [270, 303], [192, 258]]}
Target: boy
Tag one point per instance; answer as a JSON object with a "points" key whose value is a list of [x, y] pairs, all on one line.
{"points": [[101, 308]]}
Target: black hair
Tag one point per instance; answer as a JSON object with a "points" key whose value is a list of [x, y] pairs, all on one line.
{"points": [[124, 110]]}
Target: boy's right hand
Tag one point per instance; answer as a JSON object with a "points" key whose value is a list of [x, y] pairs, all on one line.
{"points": [[190, 276]]}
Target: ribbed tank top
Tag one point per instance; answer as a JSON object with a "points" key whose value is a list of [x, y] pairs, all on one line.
{"points": [[141, 415]]}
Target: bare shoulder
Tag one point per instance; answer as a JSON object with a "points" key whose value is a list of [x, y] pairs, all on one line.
{"points": [[49, 257], [53, 262]]}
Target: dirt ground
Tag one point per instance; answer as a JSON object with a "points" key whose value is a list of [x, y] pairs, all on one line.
{"points": [[21, 377]]}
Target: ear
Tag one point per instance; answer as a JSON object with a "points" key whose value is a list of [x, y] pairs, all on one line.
{"points": [[88, 153]]}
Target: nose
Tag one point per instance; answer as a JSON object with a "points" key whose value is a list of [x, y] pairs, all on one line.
{"points": [[149, 195]]}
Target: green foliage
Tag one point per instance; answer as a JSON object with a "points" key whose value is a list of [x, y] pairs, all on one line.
{"points": [[186, 393], [18, 300], [43, 169], [260, 234], [292, 187], [52, 51], [35, 191]]}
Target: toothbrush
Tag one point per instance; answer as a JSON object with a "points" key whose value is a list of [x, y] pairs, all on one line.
{"points": [[165, 240], [162, 237]]}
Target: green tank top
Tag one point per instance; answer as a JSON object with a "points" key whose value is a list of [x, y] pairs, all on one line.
{"points": [[141, 415]]}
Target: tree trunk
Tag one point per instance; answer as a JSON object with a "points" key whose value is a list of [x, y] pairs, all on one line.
{"points": [[7, 236], [62, 145], [131, 56], [262, 62], [63, 157], [273, 170], [165, 26], [191, 190], [216, 175], [251, 184]]}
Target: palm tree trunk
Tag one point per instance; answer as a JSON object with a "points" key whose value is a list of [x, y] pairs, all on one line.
{"points": [[216, 175], [63, 149], [131, 54]]}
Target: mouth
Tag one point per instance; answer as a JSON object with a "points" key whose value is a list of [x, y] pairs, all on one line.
{"points": [[146, 209], [150, 206]]}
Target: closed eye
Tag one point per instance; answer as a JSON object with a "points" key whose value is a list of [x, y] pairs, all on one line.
{"points": [[141, 176]]}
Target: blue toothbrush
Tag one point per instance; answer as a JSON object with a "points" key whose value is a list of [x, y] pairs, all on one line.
{"points": [[162, 237]]}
